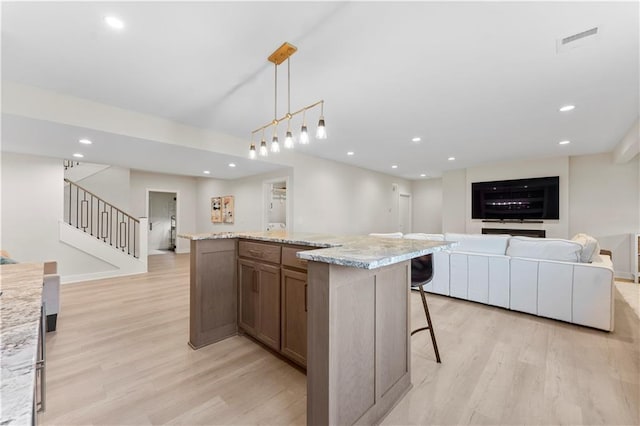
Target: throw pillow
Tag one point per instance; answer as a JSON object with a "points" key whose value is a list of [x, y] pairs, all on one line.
{"points": [[590, 247], [6, 260]]}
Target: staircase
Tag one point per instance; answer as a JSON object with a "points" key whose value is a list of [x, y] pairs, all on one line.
{"points": [[104, 231]]}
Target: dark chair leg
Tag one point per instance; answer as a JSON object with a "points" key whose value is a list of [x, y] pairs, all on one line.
{"points": [[429, 324]]}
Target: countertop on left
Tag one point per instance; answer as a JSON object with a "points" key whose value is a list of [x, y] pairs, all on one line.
{"points": [[20, 303]]}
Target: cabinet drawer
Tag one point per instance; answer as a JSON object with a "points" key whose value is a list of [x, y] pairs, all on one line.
{"points": [[259, 251], [289, 257]]}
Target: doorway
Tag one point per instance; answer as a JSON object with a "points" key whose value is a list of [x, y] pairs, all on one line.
{"points": [[276, 205], [404, 216], [162, 221]]}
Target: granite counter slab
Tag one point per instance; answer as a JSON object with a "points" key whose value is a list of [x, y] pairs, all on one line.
{"points": [[359, 251], [20, 304]]}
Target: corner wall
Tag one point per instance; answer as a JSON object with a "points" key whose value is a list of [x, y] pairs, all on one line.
{"points": [[604, 206], [32, 197], [325, 197], [597, 197], [185, 187]]}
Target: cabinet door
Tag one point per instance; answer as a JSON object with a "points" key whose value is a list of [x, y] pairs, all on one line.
{"points": [[269, 305], [248, 280], [294, 316]]}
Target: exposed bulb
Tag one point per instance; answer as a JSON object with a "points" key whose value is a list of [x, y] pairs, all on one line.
{"points": [[288, 140], [275, 145], [321, 132], [263, 148], [252, 151], [304, 135]]}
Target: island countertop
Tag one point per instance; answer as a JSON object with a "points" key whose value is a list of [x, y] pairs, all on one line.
{"points": [[20, 304], [357, 251]]}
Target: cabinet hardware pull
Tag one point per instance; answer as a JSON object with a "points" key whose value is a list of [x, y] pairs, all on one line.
{"points": [[255, 281], [40, 364], [305, 297]]}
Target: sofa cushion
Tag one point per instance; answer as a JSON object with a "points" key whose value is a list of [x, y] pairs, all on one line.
{"points": [[479, 243], [421, 236], [544, 248], [590, 247]]}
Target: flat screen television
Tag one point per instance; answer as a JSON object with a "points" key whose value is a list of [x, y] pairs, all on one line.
{"points": [[518, 199]]}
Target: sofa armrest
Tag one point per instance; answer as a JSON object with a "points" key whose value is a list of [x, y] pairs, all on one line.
{"points": [[50, 267], [606, 253], [51, 293]]}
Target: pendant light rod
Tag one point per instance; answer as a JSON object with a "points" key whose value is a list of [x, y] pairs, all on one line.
{"points": [[275, 103], [288, 86], [290, 115]]}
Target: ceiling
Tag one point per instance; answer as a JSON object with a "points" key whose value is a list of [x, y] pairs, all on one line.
{"points": [[480, 81]]}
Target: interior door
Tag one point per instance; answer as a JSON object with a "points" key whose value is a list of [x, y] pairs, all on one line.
{"points": [[405, 214], [160, 220]]}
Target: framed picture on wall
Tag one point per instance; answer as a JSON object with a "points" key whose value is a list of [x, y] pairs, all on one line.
{"points": [[216, 210], [228, 209]]}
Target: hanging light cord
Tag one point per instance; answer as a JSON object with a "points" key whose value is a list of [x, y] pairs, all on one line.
{"points": [[289, 115], [275, 104]]}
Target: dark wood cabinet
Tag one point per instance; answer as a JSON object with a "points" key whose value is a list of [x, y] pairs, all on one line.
{"points": [[213, 292], [272, 284], [259, 284], [268, 330], [248, 284], [294, 315]]}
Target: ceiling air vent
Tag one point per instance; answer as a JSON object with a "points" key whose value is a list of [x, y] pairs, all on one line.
{"points": [[577, 40]]}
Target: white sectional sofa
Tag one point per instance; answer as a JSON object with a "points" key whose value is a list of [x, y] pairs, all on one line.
{"points": [[565, 280]]}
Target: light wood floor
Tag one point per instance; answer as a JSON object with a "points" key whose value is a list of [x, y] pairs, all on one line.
{"points": [[120, 356]]}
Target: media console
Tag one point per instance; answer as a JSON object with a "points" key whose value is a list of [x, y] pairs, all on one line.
{"points": [[536, 233]]}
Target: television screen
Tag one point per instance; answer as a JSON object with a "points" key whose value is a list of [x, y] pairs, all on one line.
{"points": [[519, 199]]}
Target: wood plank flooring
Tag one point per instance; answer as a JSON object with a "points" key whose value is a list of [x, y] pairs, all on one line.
{"points": [[120, 357]]}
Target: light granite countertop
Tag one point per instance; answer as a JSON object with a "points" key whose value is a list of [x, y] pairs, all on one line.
{"points": [[20, 303], [356, 251]]}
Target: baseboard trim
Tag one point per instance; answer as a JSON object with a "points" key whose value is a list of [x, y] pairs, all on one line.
{"points": [[69, 279]]}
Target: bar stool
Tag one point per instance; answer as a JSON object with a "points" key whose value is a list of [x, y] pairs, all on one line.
{"points": [[421, 274]]}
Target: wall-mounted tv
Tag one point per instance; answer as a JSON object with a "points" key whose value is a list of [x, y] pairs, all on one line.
{"points": [[519, 199]]}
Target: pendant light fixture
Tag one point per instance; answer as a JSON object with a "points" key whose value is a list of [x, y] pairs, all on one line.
{"points": [[283, 53]]}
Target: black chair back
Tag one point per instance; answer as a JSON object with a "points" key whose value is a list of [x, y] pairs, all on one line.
{"points": [[421, 270]]}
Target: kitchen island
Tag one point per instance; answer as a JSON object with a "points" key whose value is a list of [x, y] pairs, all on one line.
{"points": [[354, 301], [20, 332]]}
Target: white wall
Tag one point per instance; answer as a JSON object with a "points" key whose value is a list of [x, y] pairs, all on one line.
{"points": [[604, 198], [248, 200], [111, 184], [184, 186], [328, 197], [427, 205], [454, 201], [32, 206], [331, 197]]}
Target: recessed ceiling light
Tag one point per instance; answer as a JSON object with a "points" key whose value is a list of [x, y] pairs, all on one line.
{"points": [[350, 153], [451, 158], [232, 164], [416, 139], [206, 172], [114, 22], [423, 175], [564, 142], [78, 155], [85, 141], [395, 166], [567, 108]]}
